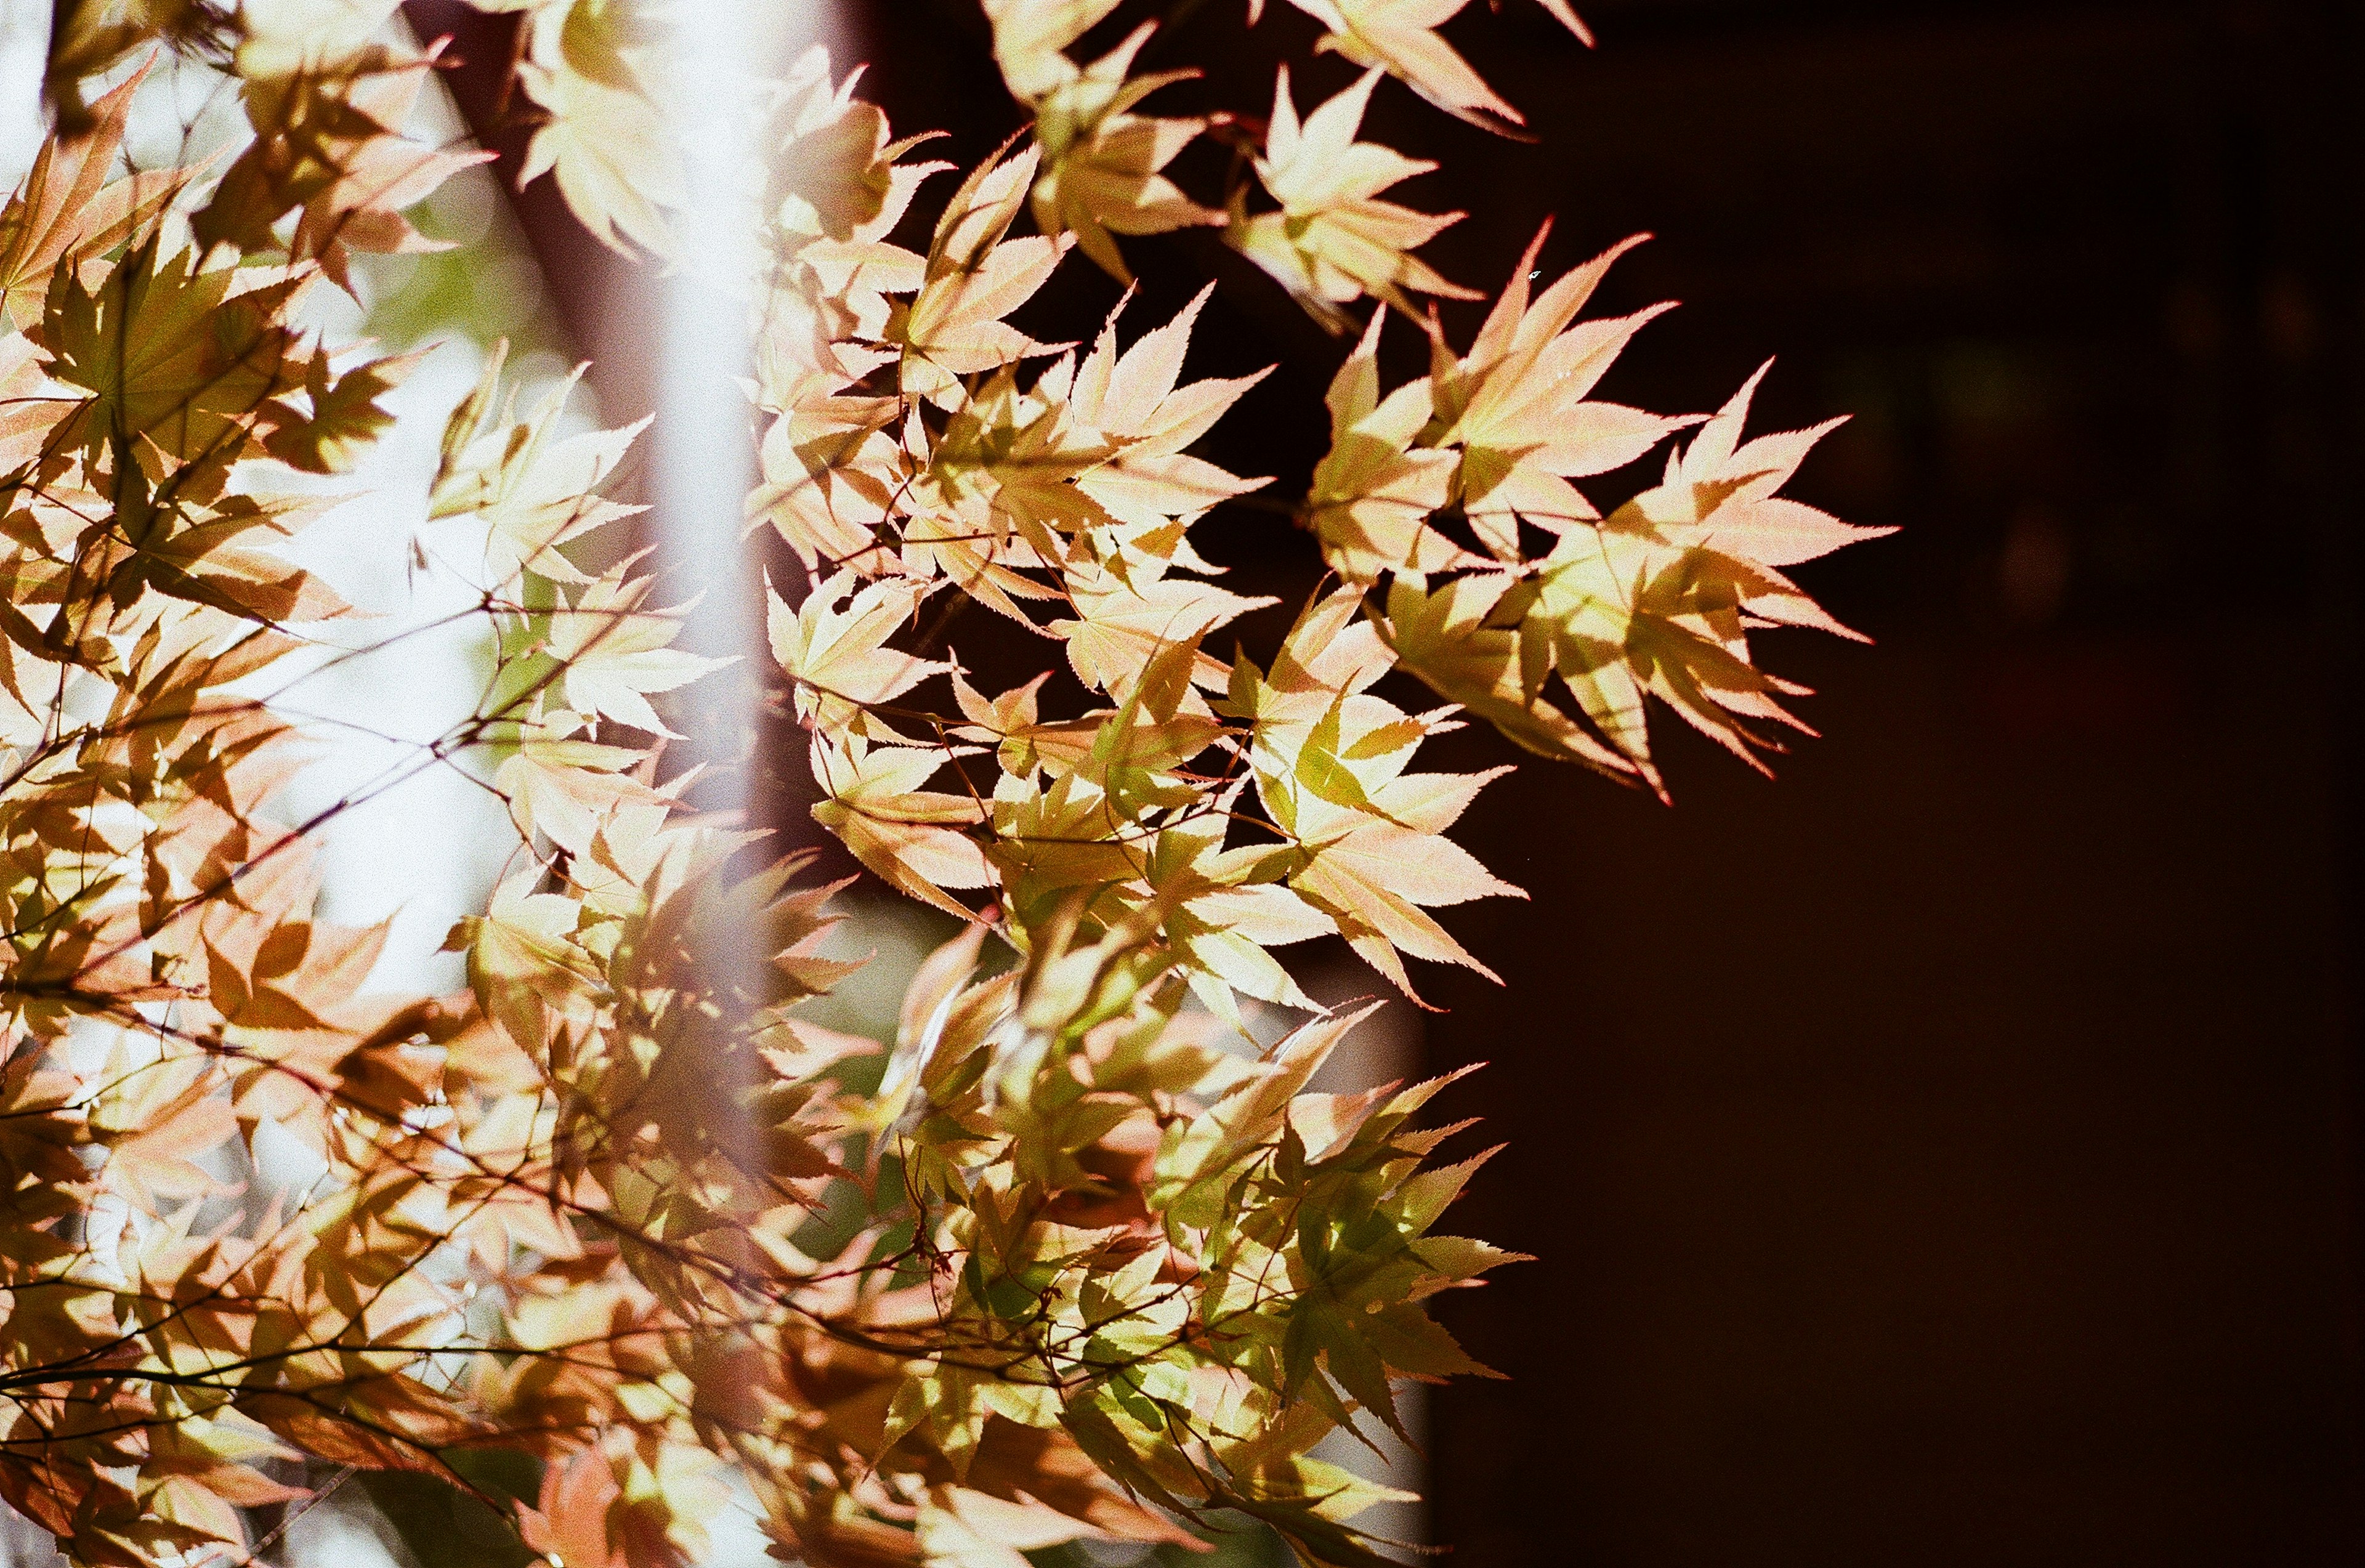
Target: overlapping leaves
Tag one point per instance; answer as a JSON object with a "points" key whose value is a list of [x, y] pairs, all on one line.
{"points": [[1068, 1260]]}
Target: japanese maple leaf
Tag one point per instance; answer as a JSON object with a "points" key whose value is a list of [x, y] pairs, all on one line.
{"points": [[1031, 36], [614, 655], [1225, 910], [326, 114], [648, 1508], [264, 972], [173, 356], [282, 38], [340, 418], [362, 208], [905, 835], [1568, 18], [1056, 836], [835, 173], [1452, 637], [1137, 402], [1102, 162], [516, 949], [1656, 599], [1660, 598], [1334, 241], [975, 278], [832, 474], [533, 493], [1399, 36], [1021, 451], [570, 1523], [970, 543], [604, 139], [1734, 494], [190, 555], [833, 646], [1087, 827], [1517, 405], [1122, 623], [565, 786], [1139, 751], [65, 204], [1375, 491], [1560, 9], [26, 415], [1331, 761]]}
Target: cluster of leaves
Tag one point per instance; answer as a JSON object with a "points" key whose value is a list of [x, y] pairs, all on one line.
{"points": [[1111, 1268]]}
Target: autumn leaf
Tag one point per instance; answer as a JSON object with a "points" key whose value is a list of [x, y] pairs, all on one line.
{"points": [[174, 358], [1660, 598], [1517, 405], [837, 658], [66, 207], [1375, 491], [604, 139], [1102, 162], [1334, 240], [1399, 36], [1655, 599], [975, 278], [341, 417], [906, 835], [615, 654], [1329, 760], [533, 492]]}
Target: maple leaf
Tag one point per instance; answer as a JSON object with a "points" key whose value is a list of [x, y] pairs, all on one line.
{"points": [[831, 476], [341, 417], [836, 191], [1030, 38], [176, 359], [1453, 638], [1017, 454], [1656, 599], [975, 1530], [1102, 162], [1226, 910], [974, 277], [564, 786], [835, 175], [326, 112], [1125, 620], [516, 949], [362, 208], [1334, 241], [1516, 405], [533, 493], [277, 38], [1375, 491], [1087, 828], [1659, 598], [613, 654], [1138, 404], [604, 139], [838, 657], [1377, 878], [903, 834], [65, 205], [1399, 36], [1330, 761]]}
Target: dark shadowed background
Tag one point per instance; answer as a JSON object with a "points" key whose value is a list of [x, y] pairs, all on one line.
{"points": [[1941, 1154]]}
